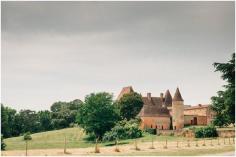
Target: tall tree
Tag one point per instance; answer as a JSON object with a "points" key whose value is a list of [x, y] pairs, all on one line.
{"points": [[224, 103], [29, 121], [8, 121], [97, 115], [130, 105], [45, 119]]}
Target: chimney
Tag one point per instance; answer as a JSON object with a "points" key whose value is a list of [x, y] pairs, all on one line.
{"points": [[149, 96], [162, 100], [161, 96]]}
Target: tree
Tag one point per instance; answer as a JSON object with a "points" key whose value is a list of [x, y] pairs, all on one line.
{"points": [[224, 103], [27, 137], [64, 113], [97, 115], [130, 105], [45, 119], [29, 121], [8, 121], [3, 145]]}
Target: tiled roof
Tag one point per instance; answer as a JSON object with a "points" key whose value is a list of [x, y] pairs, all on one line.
{"points": [[196, 107], [177, 96], [125, 90], [153, 107], [168, 99]]}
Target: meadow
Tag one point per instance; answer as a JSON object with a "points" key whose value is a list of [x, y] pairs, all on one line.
{"points": [[75, 138]]}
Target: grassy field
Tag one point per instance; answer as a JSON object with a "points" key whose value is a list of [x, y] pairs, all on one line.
{"points": [[52, 143], [185, 152], [75, 137]]}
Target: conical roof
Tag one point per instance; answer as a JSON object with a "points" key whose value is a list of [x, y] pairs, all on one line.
{"points": [[168, 98], [177, 96]]}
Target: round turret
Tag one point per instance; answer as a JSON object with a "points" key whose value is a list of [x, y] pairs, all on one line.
{"points": [[177, 111]]}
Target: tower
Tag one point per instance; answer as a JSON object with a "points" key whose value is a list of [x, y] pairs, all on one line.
{"points": [[177, 111], [168, 99]]}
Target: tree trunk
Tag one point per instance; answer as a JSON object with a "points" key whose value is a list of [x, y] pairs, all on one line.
{"points": [[65, 146], [26, 147]]}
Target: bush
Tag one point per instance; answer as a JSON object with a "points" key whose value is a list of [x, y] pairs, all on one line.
{"points": [[124, 130], [209, 131], [27, 136], [151, 131]]}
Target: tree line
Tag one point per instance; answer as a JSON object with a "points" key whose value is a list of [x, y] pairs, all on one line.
{"points": [[61, 115], [96, 115]]}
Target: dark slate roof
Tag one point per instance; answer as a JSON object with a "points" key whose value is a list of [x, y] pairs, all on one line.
{"points": [[153, 108], [178, 96], [168, 99]]}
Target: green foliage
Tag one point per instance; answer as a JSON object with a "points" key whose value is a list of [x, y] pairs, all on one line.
{"points": [[224, 103], [28, 121], [124, 130], [209, 131], [8, 122], [14, 124], [130, 105], [97, 115], [45, 119], [3, 145], [64, 113], [150, 131], [27, 136]]}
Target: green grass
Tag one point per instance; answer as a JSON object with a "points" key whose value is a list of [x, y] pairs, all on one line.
{"points": [[76, 138]]}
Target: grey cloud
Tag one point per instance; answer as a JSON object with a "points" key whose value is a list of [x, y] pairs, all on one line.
{"points": [[64, 50]]}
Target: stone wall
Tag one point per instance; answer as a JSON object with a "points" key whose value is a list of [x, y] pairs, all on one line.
{"points": [[178, 115], [187, 119], [226, 133], [155, 122], [200, 112]]}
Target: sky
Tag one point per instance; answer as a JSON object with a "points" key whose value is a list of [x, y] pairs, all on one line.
{"points": [[61, 51]]}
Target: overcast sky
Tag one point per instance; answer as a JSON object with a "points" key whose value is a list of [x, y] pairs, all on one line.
{"points": [[61, 51]]}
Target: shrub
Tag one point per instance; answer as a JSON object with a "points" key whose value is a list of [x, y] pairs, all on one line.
{"points": [[124, 130], [151, 131], [209, 131], [172, 134], [27, 136]]}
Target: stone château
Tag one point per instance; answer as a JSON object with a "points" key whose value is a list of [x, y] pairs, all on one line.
{"points": [[167, 112]]}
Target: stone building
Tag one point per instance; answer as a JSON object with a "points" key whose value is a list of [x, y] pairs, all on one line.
{"points": [[165, 112]]}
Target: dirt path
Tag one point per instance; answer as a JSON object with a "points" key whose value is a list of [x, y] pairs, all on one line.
{"points": [[124, 149]]}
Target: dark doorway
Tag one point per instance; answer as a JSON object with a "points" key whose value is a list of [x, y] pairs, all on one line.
{"points": [[195, 121], [162, 127]]}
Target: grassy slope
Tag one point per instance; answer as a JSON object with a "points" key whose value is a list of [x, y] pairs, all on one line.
{"points": [[75, 139]]}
